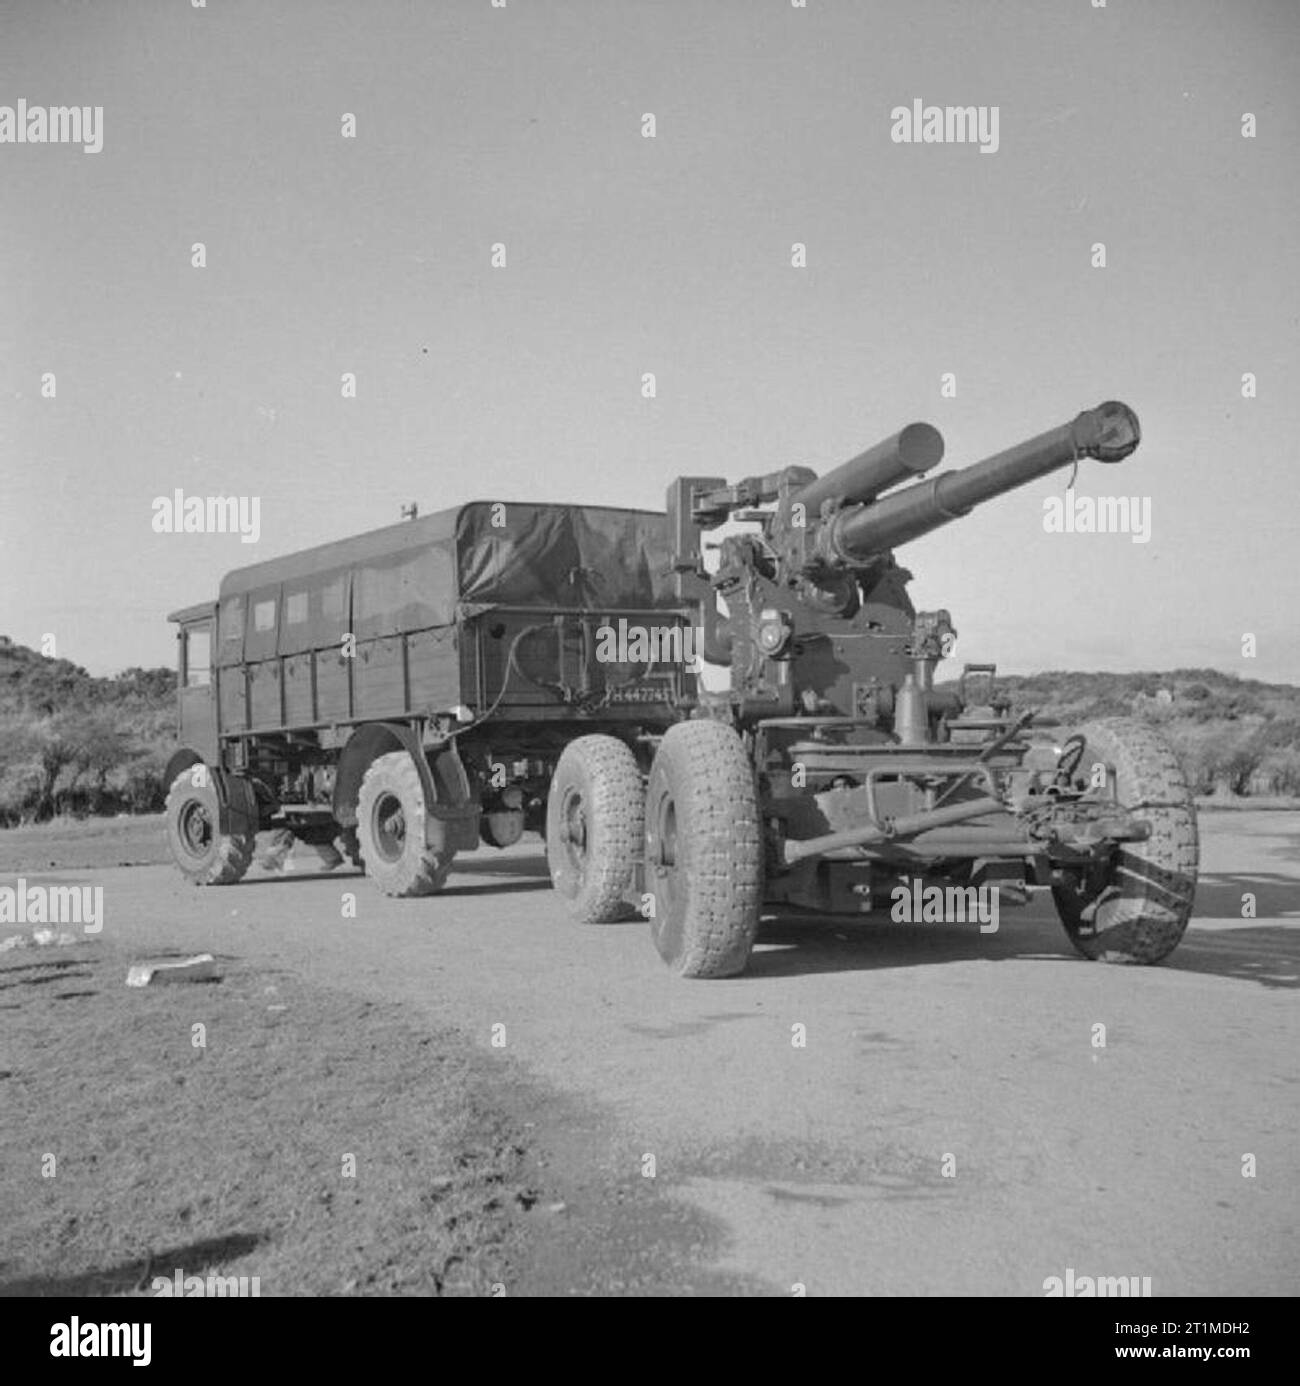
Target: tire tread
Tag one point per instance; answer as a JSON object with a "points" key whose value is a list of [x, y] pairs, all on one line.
{"points": [[1148, 909], [718, 823]]}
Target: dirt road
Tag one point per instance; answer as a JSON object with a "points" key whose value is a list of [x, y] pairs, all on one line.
{"points": [[950, 1124]]}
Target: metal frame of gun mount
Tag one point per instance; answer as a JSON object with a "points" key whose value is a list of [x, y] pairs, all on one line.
{"points": [[849, 772]]}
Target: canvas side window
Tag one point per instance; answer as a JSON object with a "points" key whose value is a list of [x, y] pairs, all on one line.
{"points": [[232, 619], [295, 608], [376, 598], [198, 657], [391, 595], [331, 598], [264, 614]]}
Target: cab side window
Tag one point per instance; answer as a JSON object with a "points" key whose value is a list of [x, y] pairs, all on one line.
{"points": [[198, 656]]}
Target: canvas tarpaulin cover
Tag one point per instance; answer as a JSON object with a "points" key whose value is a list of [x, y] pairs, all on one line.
{"points": [[570, 557], [437, 569]]}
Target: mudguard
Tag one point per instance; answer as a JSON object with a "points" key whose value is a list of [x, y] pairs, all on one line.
{"points": [[238, 802], [451, 808]]}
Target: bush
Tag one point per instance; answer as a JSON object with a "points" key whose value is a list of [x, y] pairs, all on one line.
{"points": [[19, 794], [1279, 773], [1230, 758], [142, 787]]}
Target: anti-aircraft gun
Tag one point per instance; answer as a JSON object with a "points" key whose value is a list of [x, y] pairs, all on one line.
{"points": [[402, 695], [832, 774]]}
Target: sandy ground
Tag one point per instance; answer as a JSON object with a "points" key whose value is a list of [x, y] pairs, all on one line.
{"points": [[247, 1126], [949, 1126]]}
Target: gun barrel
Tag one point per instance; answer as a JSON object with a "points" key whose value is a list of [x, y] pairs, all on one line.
{"points": [[911, 451], [1108, 433]]}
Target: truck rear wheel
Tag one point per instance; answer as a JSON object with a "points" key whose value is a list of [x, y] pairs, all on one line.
{"points": [[1136, 908], [704, 850], [205, 855], [390, 829], [595, 823]]}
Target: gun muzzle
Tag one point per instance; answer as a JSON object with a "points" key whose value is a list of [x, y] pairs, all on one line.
{"points": [[910, 452]]}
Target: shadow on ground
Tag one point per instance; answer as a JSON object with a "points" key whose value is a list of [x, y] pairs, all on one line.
{"points": [[528, 873], [1266, 951], [136, 1275]]}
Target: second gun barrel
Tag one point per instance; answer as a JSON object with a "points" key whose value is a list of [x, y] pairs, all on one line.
{"points": [[911, 451]]}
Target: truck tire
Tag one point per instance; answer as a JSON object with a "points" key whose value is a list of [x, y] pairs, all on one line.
{"points": [[704, 850], [205, 855], [595, 826], [1136, 909], [390, 829]]}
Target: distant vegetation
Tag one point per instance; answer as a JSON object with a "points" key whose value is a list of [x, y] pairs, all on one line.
{"points": [[71, 743], [1232, 736], [74, 744]]}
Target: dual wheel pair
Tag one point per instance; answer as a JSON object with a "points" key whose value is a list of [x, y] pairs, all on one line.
{"points": [[696, 822]]}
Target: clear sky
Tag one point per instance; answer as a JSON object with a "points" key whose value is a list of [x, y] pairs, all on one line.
{"points": [[672, 255]]}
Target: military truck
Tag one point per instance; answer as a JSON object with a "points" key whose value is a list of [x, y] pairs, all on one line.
{"points": [[411, 691], [498, 668]]}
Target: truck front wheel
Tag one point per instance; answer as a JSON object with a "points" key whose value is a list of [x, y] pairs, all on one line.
{"points": [[205, 855]]}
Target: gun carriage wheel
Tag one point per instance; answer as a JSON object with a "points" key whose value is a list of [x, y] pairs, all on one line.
{"points": [[704, 850], [1134, 907]]}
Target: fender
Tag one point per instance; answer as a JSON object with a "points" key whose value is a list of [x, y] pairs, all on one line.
{"points": [[455, 803], [180, 760], [236, 798], [451, 806], [237, 801]]}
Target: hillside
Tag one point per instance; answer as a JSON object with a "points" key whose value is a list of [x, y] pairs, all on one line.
{"points": [[74, 743], [1232, 735], [1193, 695]]}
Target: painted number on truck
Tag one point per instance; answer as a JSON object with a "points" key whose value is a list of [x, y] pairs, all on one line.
{"points": [[638, 693]]}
